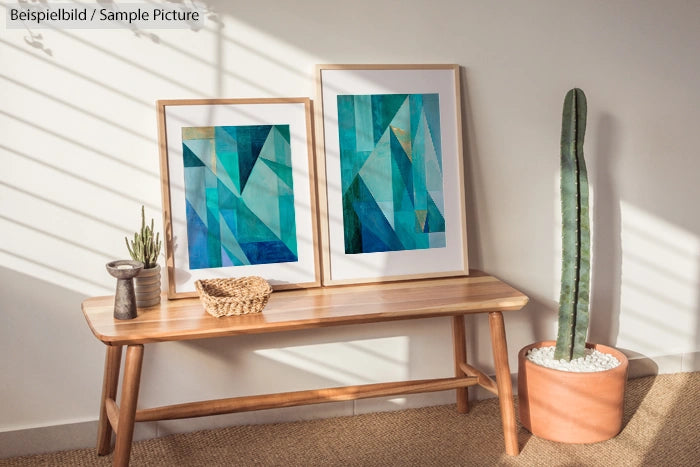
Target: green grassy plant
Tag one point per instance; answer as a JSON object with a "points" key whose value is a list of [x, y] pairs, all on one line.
{"points": [[145, 246]]}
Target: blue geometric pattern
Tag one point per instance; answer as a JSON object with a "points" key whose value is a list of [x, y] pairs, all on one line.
{"points": [[391, 172], [239, 195]]}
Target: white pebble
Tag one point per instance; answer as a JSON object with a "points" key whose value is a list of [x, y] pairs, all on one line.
{"points": [[594, 360]]}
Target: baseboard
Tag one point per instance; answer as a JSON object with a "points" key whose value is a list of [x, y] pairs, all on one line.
{"points": [[641, 365], [59, 438], [83, 435]]}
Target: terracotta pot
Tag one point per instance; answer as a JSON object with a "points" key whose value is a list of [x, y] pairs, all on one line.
{"points": [[571, 407], [147, 287]]}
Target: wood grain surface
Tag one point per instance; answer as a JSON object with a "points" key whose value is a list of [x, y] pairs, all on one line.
{"points": [[186, 319]]}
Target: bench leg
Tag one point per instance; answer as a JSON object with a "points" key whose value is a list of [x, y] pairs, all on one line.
{"points": [[459, 343], [505, 390], [113, 359], [127, 409]]}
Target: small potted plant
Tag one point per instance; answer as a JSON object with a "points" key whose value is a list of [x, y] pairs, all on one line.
{"points": [[572, 391], [145, 247]]}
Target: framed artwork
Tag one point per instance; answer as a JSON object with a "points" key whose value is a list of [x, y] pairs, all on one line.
{"points": [[390, 171], [239, 188]]}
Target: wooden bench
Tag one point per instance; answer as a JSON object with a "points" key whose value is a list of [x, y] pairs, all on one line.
{"points": [[186, 319]]}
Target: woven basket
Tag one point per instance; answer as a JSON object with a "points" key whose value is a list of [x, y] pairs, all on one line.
{"points": [[227, 297]]}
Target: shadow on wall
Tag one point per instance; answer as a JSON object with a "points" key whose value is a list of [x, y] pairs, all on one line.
{"points": [[38, 319], [645, 294], [471, 171], [305, 359], [607, 250]]}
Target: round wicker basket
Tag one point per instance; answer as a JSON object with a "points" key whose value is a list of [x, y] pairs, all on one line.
{"points": [[228, 297]]}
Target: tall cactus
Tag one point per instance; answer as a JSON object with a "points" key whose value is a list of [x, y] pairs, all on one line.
{"points": [[576, 237]]}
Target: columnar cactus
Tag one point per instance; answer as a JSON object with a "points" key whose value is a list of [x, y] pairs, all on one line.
{"points": [[576, 237], [145, 247]]}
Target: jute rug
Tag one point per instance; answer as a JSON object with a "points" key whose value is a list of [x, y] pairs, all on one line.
{"points": [[661, 428]]}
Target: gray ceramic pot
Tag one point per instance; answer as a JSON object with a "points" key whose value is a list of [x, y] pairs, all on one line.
{"points": [[147, 287]]}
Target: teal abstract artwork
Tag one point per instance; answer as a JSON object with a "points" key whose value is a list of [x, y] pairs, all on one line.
{"points": [[239, 195], [391, 172]]}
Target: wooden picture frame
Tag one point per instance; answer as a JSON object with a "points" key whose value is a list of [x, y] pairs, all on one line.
{"points": [[390, 172], [239, 191]]}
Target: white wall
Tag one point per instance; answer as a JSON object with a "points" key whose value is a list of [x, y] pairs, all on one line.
{"points": [[78, 156]]}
